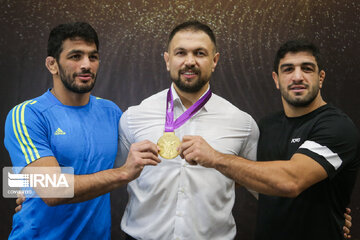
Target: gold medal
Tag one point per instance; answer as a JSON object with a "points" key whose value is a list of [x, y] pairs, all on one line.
{"points": [[168, 144]]}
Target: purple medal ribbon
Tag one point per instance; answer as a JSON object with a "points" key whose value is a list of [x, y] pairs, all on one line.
{"points": [[170, 125]]}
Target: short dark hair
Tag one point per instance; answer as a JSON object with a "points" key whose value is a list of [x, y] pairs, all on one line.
{"points": [[65, 31], [295, 46], [194, 26]]}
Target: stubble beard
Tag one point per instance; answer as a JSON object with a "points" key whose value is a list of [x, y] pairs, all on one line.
{"points": [[300, 101], [70, 83]]}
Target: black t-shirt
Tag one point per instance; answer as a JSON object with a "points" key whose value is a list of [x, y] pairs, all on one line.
{"points": [[329, 137]]}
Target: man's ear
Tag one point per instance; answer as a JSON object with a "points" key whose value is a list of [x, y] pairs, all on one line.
{"points": [[215, 61], [51, 65], [321, 78], [166, 58], [276, 79]]}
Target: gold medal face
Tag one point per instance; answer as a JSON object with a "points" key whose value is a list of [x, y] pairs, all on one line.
{"points": [[168, 144]]}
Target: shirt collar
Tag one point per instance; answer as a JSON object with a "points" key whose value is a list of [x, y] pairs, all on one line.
{"points": [[177, 100]]}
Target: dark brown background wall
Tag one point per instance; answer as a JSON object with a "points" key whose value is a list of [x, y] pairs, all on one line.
{"points": [[132, 40]]}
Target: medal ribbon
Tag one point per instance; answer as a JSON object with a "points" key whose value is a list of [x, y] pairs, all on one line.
{"points": [[170, 125]]}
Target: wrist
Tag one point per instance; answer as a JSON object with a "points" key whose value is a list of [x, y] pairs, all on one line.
{"points": [[123, 175], [217, 160], [221, 162]]}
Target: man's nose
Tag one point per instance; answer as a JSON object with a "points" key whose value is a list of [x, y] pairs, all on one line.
{"points": [[85, 63], [298, 74], [190, 60]]}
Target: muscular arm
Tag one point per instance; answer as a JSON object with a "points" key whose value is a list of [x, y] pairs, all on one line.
{"points": [[93, 185], [280, 178]]}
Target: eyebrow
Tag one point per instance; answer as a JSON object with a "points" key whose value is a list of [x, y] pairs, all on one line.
{"points": [[302, 64], [197, 49], [179, 48], [75, 51]]}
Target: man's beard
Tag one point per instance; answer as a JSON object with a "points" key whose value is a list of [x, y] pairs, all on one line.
{"points": [[70, 83], [194, 86], [300, 102]]}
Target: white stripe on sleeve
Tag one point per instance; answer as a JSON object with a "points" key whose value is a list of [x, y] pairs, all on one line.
{"points": [[331, 157]]}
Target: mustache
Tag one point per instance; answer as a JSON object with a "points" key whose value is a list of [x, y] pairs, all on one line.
{"points": [[193, 69], [84, 72]]}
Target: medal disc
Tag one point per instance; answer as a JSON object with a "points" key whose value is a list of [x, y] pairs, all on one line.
{"points": [[168, 144]]}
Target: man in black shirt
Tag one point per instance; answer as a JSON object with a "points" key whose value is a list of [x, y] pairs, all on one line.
{"points": [[308, 155]]}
